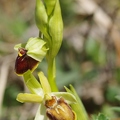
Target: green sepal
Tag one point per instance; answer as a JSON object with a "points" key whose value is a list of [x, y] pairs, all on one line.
{"points": [[36, 48], [27, 97]]}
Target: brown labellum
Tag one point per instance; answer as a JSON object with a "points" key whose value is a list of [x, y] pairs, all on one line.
{"points": [[59, 109], [24, 62]]}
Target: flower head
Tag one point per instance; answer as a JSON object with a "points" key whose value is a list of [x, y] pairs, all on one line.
{"points": [[29, 55], [52, 104]]}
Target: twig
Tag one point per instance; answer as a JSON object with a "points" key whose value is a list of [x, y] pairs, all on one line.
{"points": [[4, 70]]}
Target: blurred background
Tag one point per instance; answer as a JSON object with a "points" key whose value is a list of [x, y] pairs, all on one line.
{"points": [[89, 57]]}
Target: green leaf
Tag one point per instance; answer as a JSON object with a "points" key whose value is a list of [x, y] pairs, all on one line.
{"points": [[102, 55], [92, 46], [112, 92], [102, 117], [78, 107], [117, 97], [117, 109], [92, 49]]}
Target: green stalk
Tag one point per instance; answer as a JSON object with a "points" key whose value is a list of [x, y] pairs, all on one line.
{"points": [[52, 74]]}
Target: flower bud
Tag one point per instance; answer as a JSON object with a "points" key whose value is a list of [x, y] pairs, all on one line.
{"points": [[49, 22], [49, 5], [41, 18], [56, 30]]}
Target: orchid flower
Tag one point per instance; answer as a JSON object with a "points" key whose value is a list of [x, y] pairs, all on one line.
{"points": [[29, 55], [52, 104]]}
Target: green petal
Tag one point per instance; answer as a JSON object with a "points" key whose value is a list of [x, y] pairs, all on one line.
{"points": [[32, 84], [26, 97], [69, 98], [44, 82], [16, 47]]}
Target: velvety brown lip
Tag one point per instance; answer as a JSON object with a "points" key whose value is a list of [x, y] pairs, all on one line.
{"points": [[24, 62]]}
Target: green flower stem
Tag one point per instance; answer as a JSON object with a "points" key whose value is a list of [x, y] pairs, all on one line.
{"points": [[52, 74]]}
